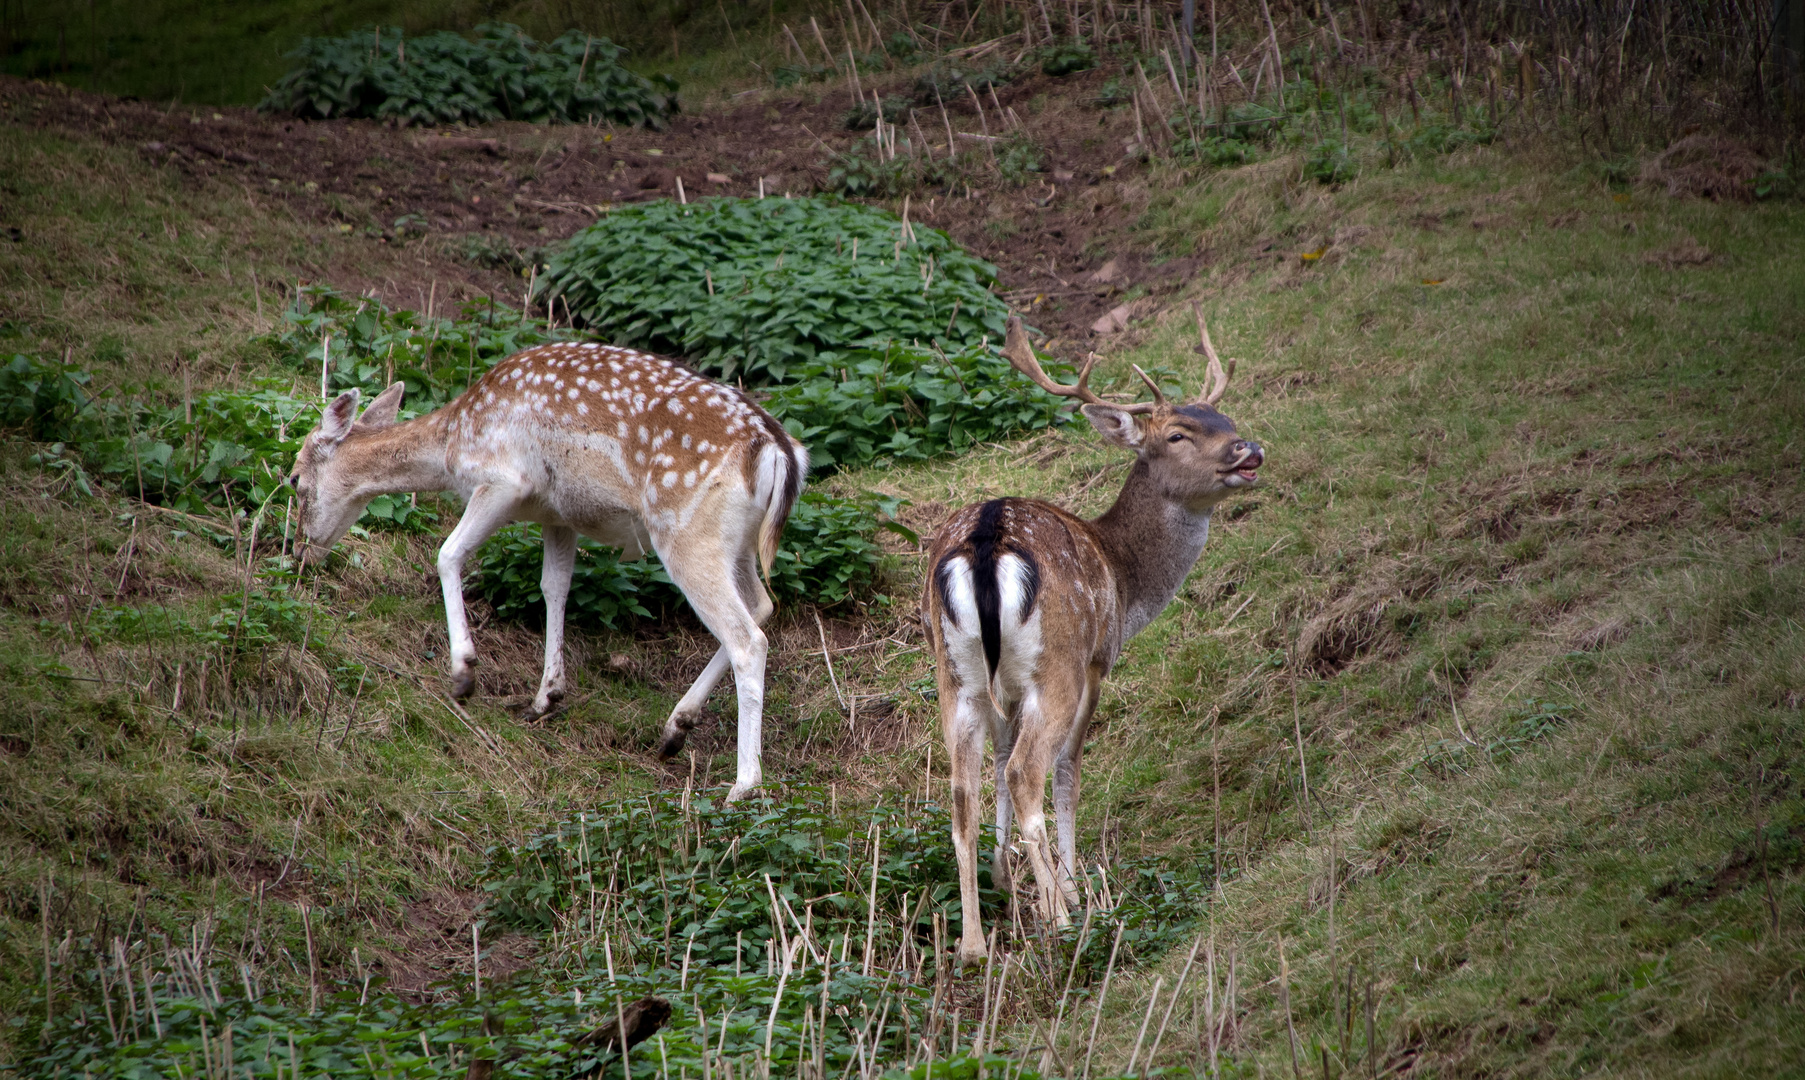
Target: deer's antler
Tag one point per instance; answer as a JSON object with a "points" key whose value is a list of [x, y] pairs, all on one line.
{"points": [[1217, 376], [1020, 355]]}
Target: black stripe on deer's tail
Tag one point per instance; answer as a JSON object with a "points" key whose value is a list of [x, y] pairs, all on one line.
{"points": [[987, 547]]}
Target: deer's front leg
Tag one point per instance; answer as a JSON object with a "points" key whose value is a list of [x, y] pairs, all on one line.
{"points": [[491, 506], [554, 583]]}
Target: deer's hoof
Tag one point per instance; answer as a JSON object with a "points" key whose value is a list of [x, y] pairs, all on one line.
{"points": [[672, 743], [544, 706], [969, 955], [741, 790], [463, 684]]}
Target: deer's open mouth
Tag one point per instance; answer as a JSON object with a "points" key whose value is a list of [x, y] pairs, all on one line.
{"points": [[1245, 469]]}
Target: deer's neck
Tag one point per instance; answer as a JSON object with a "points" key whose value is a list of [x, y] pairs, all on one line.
{"points": [[409, 456], [1152, 542]]}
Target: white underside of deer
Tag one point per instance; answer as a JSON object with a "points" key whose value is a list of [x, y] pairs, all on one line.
{"points": [[1027, 608], [621, 446]]}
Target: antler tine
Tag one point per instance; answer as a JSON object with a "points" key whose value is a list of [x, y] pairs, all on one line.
{"points": [[1020, 355], [1158, 398], [1216, 376]]}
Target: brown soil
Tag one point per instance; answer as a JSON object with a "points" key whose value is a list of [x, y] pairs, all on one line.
{"points": [[430, 944], [516, 187]]}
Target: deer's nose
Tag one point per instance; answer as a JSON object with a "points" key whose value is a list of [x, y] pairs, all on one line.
{"points": [[1254, 456]]}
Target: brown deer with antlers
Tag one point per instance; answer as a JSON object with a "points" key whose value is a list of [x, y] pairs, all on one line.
{"points": [[629, 448], [1027, 608]]}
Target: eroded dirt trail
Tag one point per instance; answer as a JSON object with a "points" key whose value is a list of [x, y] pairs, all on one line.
{"points": [[462, 213]]}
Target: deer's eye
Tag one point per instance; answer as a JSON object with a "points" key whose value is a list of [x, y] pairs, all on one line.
{"points": [[1175, 437]]}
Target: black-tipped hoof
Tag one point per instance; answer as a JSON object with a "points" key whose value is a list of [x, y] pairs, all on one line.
{"points": [[552, 701], [672, 745], [463, 684]]}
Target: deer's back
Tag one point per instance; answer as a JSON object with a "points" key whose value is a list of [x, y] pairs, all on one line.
{"points": [[599, 428]]}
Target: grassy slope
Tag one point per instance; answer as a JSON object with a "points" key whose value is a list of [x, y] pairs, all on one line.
{"points": [[1565, 473]]}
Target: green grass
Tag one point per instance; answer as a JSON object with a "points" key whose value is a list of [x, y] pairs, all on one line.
{"points": [[1567, 475]]}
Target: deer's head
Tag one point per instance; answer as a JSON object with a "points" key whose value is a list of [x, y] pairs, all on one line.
{"points": [[1191, 452], [329, 491]]}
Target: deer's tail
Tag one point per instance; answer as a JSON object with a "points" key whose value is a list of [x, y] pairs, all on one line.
{"points": [[782, 465]]}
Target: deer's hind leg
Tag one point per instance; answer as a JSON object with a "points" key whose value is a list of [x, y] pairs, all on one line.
{"points": [[708, 562], [689, 709], [1002, 738], [1048, 713], [554, 583], [966, 716]]}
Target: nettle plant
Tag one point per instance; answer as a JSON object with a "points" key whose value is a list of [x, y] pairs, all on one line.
{"points": [[444, 78], [752, 289]]}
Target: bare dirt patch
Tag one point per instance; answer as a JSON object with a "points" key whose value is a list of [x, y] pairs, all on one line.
{"points": [[469, 209]]}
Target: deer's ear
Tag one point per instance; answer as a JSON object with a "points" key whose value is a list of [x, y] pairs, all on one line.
{"points": [[336, 420], [385, 409], [1116, 425]]}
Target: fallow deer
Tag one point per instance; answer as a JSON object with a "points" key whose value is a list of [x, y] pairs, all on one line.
{"points": [[629, 448], [1027, 607]]}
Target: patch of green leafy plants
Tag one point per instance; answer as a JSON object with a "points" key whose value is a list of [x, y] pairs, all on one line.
{"points": [[705, 868], [1019, 158], [223, 450], [864, 115], [720, 883], [1113, 93], [863, 173], [228, 449], [1067, 58], [365, 344], [785, 76], [948, 81], [907, 403], [1330, 162], [753, 288], [782, 932], [445, 78]]}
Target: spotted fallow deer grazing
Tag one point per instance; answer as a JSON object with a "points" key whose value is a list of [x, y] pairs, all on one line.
{"points": [[1027, 608], [629, 448]]}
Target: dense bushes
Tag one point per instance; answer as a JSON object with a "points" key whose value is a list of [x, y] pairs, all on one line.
{"points": [[907, 403], [753, 288], [443, 78]]}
